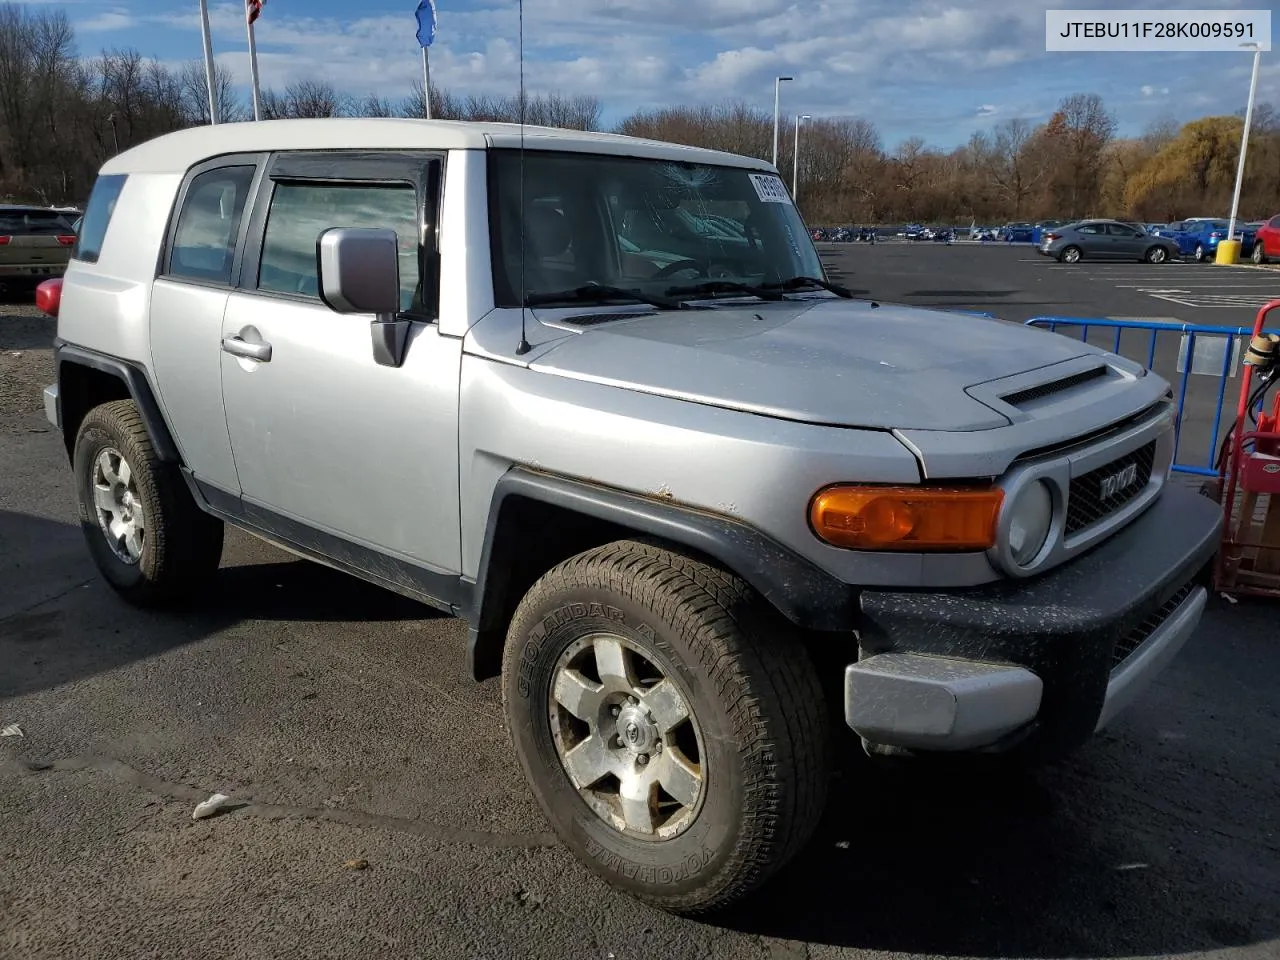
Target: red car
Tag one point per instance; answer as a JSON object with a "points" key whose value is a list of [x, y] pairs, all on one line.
{"points": [[1267, 245]]}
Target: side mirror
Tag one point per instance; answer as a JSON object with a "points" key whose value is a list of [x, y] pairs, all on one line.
{"points": [[359, 272]]}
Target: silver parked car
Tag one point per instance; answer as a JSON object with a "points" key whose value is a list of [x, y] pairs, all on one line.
{"points": [[1105, 240], [700, 507]]}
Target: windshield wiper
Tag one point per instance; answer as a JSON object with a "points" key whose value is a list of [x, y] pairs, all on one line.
{"points": [[797, 283], [599, 293], [724, 286]]}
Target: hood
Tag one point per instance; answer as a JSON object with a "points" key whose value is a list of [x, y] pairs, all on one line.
{"points": [[824, 361]]}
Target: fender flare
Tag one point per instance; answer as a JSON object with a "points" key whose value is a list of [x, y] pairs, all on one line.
{"points": [[801, 591], [135, 380]]}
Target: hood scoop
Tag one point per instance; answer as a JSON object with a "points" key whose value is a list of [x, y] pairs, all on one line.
{"points": [[1029, 395]]}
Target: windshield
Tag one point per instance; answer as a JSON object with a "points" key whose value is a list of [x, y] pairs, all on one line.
{"points": [[636, 224]]}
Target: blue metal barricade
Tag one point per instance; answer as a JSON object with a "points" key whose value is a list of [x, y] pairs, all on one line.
{"points": [[1234, 339]]}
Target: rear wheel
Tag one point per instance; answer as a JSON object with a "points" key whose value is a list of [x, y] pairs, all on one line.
{"points": [[1156, 254], [669, 722], [1199, 254], [145, 533], [1070, 255]]}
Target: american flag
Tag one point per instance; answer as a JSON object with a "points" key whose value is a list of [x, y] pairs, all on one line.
{"points": [[253, 9]]}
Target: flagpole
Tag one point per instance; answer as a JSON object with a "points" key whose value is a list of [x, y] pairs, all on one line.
{"points": [[253, 72], [209, 75], [426, 81]]}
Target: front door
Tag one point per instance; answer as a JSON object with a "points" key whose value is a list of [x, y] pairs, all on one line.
{"points": [[363, 458], [1125, 241]]}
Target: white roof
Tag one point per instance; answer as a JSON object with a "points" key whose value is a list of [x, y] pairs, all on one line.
{"points": [[178, 152]]}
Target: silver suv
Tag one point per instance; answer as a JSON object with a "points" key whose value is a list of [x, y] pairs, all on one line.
{"points": [[699, 506]]}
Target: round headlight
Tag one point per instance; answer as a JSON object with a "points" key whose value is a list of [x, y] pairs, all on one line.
{"points": [[1030, 517]]}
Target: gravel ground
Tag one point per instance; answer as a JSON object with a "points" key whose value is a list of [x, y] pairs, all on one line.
{"points": [[26, 359]]}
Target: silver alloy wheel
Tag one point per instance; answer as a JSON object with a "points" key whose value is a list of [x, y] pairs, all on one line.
{"points": [[1199, 253], [1071, 255], [627, 738], [118, 505], [1157, 255]]}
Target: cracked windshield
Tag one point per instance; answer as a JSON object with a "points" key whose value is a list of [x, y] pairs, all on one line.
{"points": [[655, 228]]}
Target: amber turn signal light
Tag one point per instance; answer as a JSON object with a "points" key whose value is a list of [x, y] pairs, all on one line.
{"points": [[907, 518]]}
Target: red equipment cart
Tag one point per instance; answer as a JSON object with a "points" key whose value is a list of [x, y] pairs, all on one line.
{"points": [[1249, 476]]}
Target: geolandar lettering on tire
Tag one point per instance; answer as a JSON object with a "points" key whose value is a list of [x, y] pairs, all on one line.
{"points": [[557, 618]]}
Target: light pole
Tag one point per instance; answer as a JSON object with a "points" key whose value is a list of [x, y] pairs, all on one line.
{"points": [[777, 86], [1244, 142], [795, 160]]}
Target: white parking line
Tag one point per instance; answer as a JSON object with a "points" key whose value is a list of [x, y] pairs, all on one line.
{"points": [[1216, 302]]}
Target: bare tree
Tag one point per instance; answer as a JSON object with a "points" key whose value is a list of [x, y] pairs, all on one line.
{"points": [[195, 94], [1013, 164]]}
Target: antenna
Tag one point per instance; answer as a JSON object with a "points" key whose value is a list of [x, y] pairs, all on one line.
{"points": [[523, 346]]}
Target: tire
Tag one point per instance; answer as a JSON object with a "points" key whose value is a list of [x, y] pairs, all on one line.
{"points": [[178, 546], [1259, 255], [759, 722], [1198, 256], [1070, 255], [1156, 254]]}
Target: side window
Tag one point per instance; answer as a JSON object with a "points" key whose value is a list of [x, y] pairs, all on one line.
{"points": [[1089, 228], [97, 217], [204, 243], [300, 212], [1274, 223]]}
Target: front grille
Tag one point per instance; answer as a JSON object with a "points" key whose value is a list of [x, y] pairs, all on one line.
{"points": [[1136, 637], [1057, 386], [1089, 500]]}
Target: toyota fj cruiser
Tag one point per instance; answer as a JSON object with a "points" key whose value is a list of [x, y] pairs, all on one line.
{"points": [[597, 396]]}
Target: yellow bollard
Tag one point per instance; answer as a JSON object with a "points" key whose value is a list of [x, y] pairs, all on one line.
{"points": [[1228, 252]]}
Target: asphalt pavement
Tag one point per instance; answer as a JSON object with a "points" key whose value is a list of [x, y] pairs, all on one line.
{"points": [[376, 810]]}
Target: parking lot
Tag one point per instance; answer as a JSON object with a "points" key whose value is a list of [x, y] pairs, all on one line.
{"points": [[378, 811]]}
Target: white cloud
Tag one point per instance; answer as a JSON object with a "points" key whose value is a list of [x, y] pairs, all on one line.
{"points": [[106, 22], [914, 66]]}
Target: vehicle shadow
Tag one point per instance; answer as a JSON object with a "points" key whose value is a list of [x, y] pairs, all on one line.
{"points": [[1151, 840], [60, 622]]}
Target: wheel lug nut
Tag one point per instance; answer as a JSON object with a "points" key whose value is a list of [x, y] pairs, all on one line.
{"points": [[642, 759], [615, 711]]}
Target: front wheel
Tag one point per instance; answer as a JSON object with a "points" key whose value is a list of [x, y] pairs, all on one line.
{"points": [[1157, 255], [669, 723], [1070, 255], [1259, 255]]}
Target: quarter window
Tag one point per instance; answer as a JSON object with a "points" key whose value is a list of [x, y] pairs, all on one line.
{"points": [[204, 243], [300, 212], [97, 217]]}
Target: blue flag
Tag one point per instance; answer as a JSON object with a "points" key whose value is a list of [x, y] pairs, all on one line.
{"points": [[426, 22]]}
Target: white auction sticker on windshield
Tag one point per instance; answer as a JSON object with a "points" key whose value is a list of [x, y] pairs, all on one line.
{"points": [[769, 188]]}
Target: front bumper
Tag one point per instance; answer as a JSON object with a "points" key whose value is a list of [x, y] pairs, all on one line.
{"points": [[1038, 665]]}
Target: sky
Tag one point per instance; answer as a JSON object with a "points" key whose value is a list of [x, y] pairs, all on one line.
{"points": [[936, 69]]}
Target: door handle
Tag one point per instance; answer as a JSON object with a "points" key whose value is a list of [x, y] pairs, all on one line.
{"points": [[239, 347]]}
